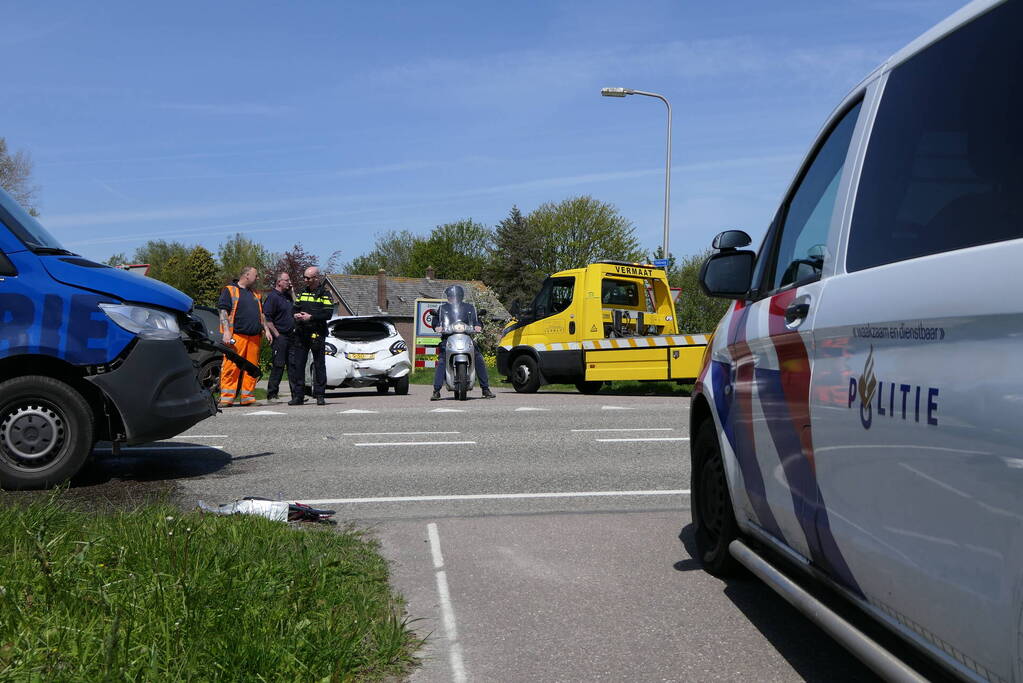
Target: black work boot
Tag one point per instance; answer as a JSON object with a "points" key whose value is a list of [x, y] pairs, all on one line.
{"points": [[436, 395], [296, 401], [487, 393], [320, 401]]}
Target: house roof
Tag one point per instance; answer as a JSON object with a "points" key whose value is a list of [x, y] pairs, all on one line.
{"points": [[359, 294]]}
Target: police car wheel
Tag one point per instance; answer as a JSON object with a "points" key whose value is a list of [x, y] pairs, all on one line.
{"points": [[713, 516], [46, 432], [525, 375], [401, 386]]}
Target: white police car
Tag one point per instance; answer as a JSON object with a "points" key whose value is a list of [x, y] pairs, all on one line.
{"points": [[860, 410], [363, 351]]}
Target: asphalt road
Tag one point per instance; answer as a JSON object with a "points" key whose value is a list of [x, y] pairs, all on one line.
{"points": [[539, 538]]}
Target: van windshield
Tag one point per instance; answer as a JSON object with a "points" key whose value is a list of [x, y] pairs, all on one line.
{"points": [[26, 228]]}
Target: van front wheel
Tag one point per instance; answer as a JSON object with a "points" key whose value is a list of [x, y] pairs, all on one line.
{"points": [[46, 432], [525, 375], [713, 516]]}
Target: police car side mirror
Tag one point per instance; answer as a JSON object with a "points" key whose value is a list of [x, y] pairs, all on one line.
{"points": [[731, 239], [728, 274]]}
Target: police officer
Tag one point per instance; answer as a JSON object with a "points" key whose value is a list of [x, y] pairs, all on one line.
{"points": [[280, 323], [456, 309], [313, 308]]}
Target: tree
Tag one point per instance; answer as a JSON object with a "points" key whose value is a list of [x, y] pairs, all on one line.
{"points": [[167, 261], [581, 230], [514, 267], [203, 277], [16, 177], [294, 262], [696, 312], [117, 260], [456, 251], [240, 252], [391, 251]]}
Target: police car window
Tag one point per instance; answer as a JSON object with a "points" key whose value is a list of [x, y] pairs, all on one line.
{"points": [[619, 293], [801, 251], [944, 166]]}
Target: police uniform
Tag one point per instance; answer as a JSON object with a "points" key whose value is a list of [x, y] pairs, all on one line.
{"points": [[309, 337], [279, 310]]}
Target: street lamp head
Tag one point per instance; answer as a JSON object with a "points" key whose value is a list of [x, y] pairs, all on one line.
{"points": [[615, 92]]}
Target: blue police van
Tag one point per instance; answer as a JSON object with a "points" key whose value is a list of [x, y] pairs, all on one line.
{"points": [[87, 353]]}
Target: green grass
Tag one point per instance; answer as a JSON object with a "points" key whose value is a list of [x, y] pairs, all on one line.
{"points": [[617, 388], [153, 594]]}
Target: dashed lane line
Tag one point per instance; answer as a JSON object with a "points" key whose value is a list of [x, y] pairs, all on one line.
{"points": [[652, 438], [394, 433], [417, 443], [627, 429], [447, 610], [496, 496]]}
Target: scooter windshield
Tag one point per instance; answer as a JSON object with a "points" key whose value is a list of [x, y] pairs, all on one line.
{"points": [[453, 314]]}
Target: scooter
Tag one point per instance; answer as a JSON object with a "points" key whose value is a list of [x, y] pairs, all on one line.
{"points": [[460, 365]]}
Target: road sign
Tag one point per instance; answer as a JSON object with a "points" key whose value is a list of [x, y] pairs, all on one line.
{"points": [[660, 263], [426, 314]]}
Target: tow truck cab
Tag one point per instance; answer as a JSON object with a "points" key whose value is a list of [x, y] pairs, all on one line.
{"points": [[609, 320], [87, 353]]}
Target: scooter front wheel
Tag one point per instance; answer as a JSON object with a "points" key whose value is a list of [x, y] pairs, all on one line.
{"points": [[461, 382]]}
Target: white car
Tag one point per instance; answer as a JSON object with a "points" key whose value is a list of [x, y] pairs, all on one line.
{"points": [[363, 351]]}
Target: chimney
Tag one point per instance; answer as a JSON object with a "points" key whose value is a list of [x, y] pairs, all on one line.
{"points": [[429, 273], [382, 290]]}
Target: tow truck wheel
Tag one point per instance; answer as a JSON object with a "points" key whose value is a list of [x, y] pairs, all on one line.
{"points": [[209, 375], [382, 388], [588, 387], [713, 516], [45, 432], [525, 375], [401, 386]]}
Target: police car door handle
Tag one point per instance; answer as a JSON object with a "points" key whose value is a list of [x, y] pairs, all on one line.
{"points": [[797, 312]]}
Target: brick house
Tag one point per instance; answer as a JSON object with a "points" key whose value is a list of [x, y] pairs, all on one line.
{"points": [[395, 297]]}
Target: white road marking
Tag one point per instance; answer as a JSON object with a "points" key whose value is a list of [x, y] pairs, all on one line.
{"points": [[614, 408], [447, 410], [447, 610], [393, 433], [528, 408], [628, 429], [200, 436], [158, 449], [417, 443], [265, 412], [652, 438], [354, 411], [496, 496]]}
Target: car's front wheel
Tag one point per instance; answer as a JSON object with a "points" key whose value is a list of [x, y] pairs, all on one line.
{"points": [[401, 386], [713, 516], [46, 432]]}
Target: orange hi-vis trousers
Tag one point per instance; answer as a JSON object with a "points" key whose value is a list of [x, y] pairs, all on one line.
{"points": [[246, 346]]}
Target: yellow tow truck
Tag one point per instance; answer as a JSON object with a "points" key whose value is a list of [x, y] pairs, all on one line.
{"points": [[610, 320]]}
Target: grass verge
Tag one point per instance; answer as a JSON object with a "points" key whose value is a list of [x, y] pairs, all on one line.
{"points": [[152, 594]]}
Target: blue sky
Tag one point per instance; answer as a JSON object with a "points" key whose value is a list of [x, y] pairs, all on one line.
{"points": [[330, 122]]}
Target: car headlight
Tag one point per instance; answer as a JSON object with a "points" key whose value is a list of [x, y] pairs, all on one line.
{"points": [[329, 349], [397, 347], [148, 323]]}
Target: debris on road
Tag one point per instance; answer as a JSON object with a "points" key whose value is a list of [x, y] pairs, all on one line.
{"points": [[275, 510]]}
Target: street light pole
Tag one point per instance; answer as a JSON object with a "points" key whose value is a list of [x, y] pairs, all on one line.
{"points": [[622, 92]]}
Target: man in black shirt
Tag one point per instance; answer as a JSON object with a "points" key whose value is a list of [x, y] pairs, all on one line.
{"points": [[242, 326], [279, 311]]}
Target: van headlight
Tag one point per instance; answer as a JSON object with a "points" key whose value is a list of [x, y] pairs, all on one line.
{"points": [[148, 323]]}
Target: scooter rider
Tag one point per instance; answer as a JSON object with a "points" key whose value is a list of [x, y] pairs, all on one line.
{"points": [[455, 296]]}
